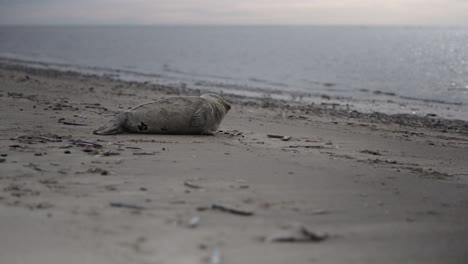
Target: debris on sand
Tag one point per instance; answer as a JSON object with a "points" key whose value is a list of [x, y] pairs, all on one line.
{"points": [[19, 190], [34, 139], [308, 146], [91, 151], [44, 205], [231, 133], [283, 138], [144, 153], [215, 257], [231, 210], [192, 185], [320, 212], [17, 147], [69, 123], [110, 153], [194, 222], [82, 143], [128, 147], [98, 171], [94, 106], [371, 152], [274, 136], [125, 205], [88, 147], [33, 166], [296, 234], [14, 95]]}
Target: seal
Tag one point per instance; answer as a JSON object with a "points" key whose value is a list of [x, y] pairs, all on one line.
{"points": [[189, 115]]}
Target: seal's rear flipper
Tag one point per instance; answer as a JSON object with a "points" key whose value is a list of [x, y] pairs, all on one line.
{"points": [[115, 126]]}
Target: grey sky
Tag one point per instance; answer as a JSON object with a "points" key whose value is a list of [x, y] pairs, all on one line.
{"points": [[419, 12]]}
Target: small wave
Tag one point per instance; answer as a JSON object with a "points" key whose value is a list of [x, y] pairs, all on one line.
{"points": [[28, 61], [235, 86], [431, 100], [171, 69], [267, 82], [37, 58], [410, 98]]}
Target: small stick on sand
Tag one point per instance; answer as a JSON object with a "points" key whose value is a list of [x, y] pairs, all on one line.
{"points": [[191, 185], [231, 210], [124, 205]]}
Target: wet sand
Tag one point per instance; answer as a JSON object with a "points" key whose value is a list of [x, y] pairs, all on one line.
{"points": [[384, 188]]}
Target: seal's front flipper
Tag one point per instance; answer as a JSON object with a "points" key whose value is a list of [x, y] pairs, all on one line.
{"points": [[200, 118], [115, 126]]}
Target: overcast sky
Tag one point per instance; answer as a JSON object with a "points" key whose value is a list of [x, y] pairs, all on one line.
{"points": [[420, 12]]}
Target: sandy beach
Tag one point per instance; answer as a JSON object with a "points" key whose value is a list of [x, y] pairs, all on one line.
{"points": [[374, 188]]}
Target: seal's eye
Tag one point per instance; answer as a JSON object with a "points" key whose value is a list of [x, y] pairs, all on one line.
{"points": [[228, 107]]}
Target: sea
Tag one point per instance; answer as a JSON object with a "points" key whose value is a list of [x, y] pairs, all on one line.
{"points": [[395, 69]]}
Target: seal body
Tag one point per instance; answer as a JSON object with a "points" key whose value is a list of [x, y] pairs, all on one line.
{"points": [[173, 115]]}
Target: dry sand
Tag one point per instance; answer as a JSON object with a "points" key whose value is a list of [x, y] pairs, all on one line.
{"points": [[387, 189]]}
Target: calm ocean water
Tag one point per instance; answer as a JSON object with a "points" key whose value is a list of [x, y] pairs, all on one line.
{"points": [[420, 62]]}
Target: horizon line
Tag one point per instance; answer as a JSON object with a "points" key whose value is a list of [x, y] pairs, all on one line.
{"points": [[234, 24]]}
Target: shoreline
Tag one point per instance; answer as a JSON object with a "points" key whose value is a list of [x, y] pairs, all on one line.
{"points": [[331, 109], [385, 188], [369, 102]]}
